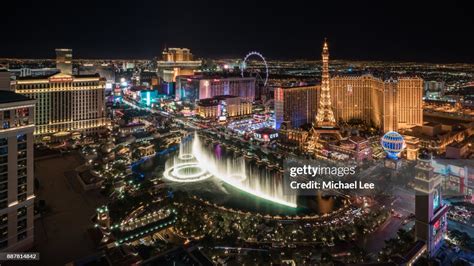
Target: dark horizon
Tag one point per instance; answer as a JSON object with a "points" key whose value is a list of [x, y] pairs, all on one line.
{"points": [[356, 31]]}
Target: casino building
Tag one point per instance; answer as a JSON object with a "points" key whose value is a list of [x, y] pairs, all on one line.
{"points": [[223, 107], [389, 105], [175, 62], [65, 103], [198, 87], [296, 106]]}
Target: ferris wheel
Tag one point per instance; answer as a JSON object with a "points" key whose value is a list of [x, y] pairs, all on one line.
{"points": [[243, 67]]}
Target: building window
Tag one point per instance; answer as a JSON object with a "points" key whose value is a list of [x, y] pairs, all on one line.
{"points": [[6, 125], [3, 233], [22, 189], [22, 236], [21, 138], [3, 168], [21, 146], [21, 155], [21, 164], [4, 150], [21, 175], [21, 225], [22, 197], [3, 195], [21, 212], [3, 220]]}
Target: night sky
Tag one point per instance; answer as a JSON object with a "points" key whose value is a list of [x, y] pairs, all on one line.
{"points": [[292, 29]]}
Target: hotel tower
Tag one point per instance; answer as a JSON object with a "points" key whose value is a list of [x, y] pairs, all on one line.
{"points": [[16, 171], [65, 104], [388, 105]]}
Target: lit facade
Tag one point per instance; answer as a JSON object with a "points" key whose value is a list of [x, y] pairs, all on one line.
{"points": [[436, 137], [292, 138], [148, 150], [66, 103], [223, 106], [389, 105], [295, 106], [177, 55], [430, 212], [208, 108], [64, 61], [358, 97], [412, 147], [265, 134], [16, 171], [458, 177], [176, 62], [410, 102], [390, 102], [192, 88], [357, 148]]}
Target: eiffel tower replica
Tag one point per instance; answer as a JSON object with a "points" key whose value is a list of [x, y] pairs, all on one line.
{"points": [[324, 129]]}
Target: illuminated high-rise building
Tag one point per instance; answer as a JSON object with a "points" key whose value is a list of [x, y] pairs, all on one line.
{"points": [[64, 60], [223, 107], [409, 102], [177, 55], [430, 212], [390, 111], [198, 87], [295, 106], [358, 97], [176, 62], [16, 171], [66, 104], [388, 105]]}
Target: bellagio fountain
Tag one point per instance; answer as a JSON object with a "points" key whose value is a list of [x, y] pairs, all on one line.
{"points": [[196, 161]]}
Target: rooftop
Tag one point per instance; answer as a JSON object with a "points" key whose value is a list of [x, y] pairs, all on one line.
{"points": [[215, 78], [10, 97], [463, 143], [208, 102], [300, 86], [223, 97], [357, 139], [266, 130], [51, 75]]}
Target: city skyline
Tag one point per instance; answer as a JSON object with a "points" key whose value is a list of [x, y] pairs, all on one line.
{"points": [[403, 32], [237, 133]]}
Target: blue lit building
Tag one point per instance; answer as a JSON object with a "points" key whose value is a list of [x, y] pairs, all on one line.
{"points": [[295, 106]]}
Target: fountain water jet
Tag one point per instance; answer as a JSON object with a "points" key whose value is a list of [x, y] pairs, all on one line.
{"points": [[197, 162]]}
